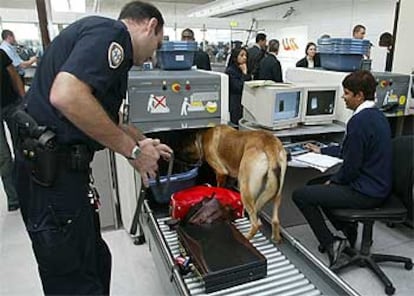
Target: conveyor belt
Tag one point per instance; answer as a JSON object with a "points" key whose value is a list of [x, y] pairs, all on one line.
{"points": [[283, 278]]}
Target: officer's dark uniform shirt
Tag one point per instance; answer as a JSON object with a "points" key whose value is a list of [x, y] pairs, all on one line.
{"points": [[8, 95], [98, 51]]}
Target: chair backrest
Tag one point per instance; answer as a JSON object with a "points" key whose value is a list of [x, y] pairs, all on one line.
{"points": [[403, 170]]}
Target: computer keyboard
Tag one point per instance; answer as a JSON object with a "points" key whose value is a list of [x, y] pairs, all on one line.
{"points": [[299, 147]]}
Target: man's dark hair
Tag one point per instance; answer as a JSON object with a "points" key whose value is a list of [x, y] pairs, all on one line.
{"points": [[139, 11], [274, 45], [385, 39], [260, 37], [5, 34], [358, 28], [187, 33], [361, 80]]}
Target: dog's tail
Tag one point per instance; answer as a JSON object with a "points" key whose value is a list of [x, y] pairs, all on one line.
{"points": [[277, 163]]}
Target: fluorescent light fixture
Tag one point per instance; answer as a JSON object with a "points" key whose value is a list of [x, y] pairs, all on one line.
{"points": [[223, 8]]}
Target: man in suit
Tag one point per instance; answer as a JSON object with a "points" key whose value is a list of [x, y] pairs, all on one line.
{"points": [[270, 68], [255, 54], [201, 58]]}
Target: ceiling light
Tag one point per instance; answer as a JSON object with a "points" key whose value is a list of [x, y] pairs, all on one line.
{"points": [[222, 8]]}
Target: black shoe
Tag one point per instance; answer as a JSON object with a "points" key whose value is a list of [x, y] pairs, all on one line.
{"points": [[351, 233], [335, 250], [13, 208], [322, 249]]}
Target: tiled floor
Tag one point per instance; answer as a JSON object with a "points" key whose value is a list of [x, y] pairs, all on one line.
{"points": [[134, 272], [395, 241]]}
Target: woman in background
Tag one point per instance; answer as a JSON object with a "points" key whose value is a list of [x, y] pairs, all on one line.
{"points": [[237, 72], [311, 60]]}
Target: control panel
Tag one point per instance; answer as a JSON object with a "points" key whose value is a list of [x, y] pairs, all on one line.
{"points": [[160, 100], [392, 91]]}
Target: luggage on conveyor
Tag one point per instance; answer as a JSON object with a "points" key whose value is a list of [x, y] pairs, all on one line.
{"points": [[221, 254]]}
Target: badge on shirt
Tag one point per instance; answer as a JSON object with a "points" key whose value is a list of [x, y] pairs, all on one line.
{"points": [[115, 55]]}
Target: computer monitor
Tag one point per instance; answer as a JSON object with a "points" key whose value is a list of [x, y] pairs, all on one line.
{"points": [[319, 104], [271, 105]]}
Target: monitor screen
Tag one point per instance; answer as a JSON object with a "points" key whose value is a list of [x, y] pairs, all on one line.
{"points": [[286, 105], [320, 102], [274, 106]]}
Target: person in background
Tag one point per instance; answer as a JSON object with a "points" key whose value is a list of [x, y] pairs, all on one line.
{"points": [[238, 74], [201, 58], [255, 54], [77, 93], [358, 32], [270, 68], [311, 60], [12, 90], [8, 45], [364, 179], [234, 44], [386, 40]]}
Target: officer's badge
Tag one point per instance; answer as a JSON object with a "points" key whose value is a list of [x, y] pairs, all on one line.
{"points": [[115, 55]]}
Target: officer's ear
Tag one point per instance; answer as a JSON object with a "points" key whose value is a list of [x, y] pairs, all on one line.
{"points": [[152, 25]]}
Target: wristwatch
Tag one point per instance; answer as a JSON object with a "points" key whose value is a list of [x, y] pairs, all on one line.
{"points": [[136, 151]]}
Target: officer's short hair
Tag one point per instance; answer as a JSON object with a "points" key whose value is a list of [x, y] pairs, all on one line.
{"points": [[260, 37], [5, 34], [273, 45], [386, 39], [361, 80], [358, 28], [187, 34], [139, 11]]}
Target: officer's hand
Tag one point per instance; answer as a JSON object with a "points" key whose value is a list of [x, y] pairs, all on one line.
{"points": [[313, 147], [163, 149], [146, 163]]}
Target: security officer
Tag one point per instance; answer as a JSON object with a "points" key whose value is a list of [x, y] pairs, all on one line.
{"points": [[77, 92]]}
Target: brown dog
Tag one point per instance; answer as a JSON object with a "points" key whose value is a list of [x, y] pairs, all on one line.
{"points": [[256, 158]]}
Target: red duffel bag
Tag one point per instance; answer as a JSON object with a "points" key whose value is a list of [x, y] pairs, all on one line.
{"points": [[182, 201]]}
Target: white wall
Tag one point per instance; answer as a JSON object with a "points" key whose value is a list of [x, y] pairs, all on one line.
{"points": [[335, 17], [404, 43]]}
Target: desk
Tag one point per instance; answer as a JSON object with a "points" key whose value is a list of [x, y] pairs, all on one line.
{"points": [[329, 132]]}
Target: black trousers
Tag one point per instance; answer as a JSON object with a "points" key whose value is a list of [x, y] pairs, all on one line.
{"points": [[316, 197], [72, 257]]}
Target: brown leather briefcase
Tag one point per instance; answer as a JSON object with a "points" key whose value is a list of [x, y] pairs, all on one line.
{"points": [[221, 254]]}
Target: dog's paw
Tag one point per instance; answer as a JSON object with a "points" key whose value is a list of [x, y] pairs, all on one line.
{"points": [[277, 240]]}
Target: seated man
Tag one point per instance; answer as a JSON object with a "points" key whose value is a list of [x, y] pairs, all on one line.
{"points": [[364, 179], [201, 58]]}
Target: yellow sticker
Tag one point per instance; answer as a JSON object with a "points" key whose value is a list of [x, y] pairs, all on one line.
{"points": [[403, 99], [211, 107], [400, 113]]}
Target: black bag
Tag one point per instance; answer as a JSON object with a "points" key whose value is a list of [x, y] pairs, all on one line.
{"points": [[221, 254]]}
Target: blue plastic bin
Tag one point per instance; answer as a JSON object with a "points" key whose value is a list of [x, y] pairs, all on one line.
{"points": [[341, 62], [163, 190], [177, 55]]}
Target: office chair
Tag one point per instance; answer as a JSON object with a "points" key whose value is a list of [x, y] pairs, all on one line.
{"points": [[394, 210]]}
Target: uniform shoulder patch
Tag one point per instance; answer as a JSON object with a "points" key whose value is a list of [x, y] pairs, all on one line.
{"points": [[115, 55]]}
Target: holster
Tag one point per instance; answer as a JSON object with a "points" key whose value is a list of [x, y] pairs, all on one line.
{"points": [[45, 162]]}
